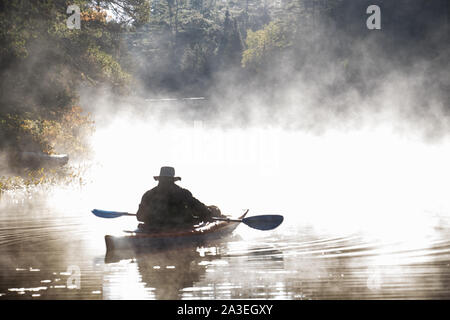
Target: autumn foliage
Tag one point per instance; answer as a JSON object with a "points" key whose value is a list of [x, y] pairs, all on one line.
{"points": [[94, 15], [59, 132]]}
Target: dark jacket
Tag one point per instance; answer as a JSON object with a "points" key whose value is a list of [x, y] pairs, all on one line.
{"points": [[168, 205]]}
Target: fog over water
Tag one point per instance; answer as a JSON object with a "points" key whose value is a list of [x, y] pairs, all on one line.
{"points": [[360, 173], [365, 207]]}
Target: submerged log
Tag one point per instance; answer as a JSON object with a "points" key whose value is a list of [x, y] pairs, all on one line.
{"points": [[40, 159]]}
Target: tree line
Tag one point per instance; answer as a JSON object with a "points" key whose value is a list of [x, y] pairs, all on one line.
{"points": [[183, 47]]}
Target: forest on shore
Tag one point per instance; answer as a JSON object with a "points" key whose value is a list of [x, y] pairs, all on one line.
{"points": [[194, 47]]}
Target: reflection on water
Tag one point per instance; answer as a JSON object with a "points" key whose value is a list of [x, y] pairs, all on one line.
{"points": [[40, 244]]}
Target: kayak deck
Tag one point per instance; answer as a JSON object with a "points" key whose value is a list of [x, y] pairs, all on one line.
{"points": [[196, 235]]}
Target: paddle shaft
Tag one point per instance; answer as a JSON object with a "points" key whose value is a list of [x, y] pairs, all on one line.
{"points": [[227, 219], [129, 214], [263, 222], [223, 219], [214, 218]]}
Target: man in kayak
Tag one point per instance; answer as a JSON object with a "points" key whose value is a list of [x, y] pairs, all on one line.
{"points": [[170, 206]]}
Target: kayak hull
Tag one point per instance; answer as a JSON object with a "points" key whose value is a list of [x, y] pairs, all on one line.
{"points": [[157, 240]]}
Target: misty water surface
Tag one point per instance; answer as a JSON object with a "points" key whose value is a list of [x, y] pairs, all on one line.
{"points": [[366, 216], [40, 241]]}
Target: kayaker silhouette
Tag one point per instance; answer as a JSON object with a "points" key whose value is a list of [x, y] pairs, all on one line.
{"points": [[169, 206]]}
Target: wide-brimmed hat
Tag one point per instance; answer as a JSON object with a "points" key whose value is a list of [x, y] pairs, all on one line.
{"points": [[167, 172]]}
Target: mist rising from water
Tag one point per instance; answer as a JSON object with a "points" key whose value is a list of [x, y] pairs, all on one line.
{"points": [[364, 146]]}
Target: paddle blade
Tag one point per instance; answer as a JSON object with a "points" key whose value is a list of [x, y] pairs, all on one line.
{"points": [[265, 222], [108, 214]]}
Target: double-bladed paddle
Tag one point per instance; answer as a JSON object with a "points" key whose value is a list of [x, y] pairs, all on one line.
{"points": [[262, 222]]}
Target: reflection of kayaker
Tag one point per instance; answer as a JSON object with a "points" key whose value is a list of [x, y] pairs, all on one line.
{"points": [[165, 273], [171, 271], [169, 206]]}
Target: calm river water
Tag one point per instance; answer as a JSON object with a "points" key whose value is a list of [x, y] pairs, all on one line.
{"points": [[45, 245], [367, 216]]}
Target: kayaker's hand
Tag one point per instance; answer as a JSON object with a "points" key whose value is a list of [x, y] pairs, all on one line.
{"points": [[214, 211]]}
